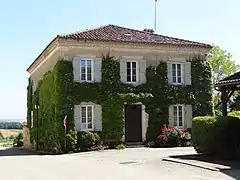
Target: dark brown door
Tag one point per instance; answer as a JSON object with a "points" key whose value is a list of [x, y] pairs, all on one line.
{"points": [[133, 123]]}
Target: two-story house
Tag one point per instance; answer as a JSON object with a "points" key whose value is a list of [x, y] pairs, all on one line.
{"points": [[135, 50]]}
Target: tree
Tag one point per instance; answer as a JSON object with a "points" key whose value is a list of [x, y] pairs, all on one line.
{"points": [[222, 66], [221, 63]]}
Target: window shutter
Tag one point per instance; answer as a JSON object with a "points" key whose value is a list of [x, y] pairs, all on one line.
{"points": [[188, 76], [123, 70], [77, 118], [170, 114], [76, 70], [97, 118], [142, 71], [188, 116], [169, 72], [97, 70]]}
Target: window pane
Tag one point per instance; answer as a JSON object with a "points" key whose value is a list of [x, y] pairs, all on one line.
{"points": [[175, 115], [180, 115], [134, 65], [89, 125], [83, 63], [89, 63], [179, 73], [174, 73], [83, 111], [89, 110], [128, 72], [134, 79], [84, 119], [134, 72], [128, 65], [128, 78], [89, 77]]}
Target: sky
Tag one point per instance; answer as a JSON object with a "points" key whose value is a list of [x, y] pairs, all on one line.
{"points": [[28, 26]]}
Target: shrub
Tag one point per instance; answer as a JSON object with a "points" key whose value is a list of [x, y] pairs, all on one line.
{"points": [[71, 141], [88, 141], [18, 140], [172, 137], [217, 136], [234, 114], [120, 146]]}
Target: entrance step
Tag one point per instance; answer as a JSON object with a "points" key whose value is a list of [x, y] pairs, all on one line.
{"points": [[134, 144]]}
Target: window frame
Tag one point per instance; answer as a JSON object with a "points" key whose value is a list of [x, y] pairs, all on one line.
{"points": [[137, 71], [182, 75], [86, 106], [92, 68], [183, 113]]}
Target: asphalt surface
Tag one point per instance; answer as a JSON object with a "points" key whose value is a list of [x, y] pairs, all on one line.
{"points": [[129, 164]]}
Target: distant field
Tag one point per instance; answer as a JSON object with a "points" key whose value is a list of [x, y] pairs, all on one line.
{"points": [[9, 132]]}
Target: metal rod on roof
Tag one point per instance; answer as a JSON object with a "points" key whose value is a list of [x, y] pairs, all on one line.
{"points": [[155, 17]]}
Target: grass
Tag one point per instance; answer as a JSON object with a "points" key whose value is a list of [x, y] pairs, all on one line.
{"points": [[9, 132], [7, 142]]}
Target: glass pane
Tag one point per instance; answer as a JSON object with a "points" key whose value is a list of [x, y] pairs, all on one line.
{"points": [[83, 111], [89, 63], [128, 78], [134, 78], [83, 63], [89, 110], [180, 115], [179, 73], [134, 65], [83, 77], [175, 115], [89, 125], [89, 120], [174, 73], [128, 72], [89, 77], [134, 72], [84, 120], [128, 65]]}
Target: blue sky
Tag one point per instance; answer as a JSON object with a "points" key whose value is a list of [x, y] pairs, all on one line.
{"points": [[28, 26]]}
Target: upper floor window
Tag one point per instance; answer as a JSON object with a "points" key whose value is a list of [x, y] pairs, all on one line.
{"points": [[87, 117], [132, 73], [86, 70], [178, 115], [177, 73]]}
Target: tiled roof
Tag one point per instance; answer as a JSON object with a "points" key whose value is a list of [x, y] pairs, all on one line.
{"points": [[121, 34], [230, 79]]}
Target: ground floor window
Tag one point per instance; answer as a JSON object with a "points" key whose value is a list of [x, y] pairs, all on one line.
{"points": [[178, 116], [87, 117]]}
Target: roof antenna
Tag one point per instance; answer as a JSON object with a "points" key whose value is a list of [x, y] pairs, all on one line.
{"points": [[155, 16]]}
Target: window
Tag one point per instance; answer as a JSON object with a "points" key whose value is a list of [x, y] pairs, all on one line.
{"points": [[177, 73], [131, 71], [86, 70], [178, 115], [87, 117]]}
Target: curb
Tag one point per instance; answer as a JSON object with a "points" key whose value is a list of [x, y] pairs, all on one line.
{"points": [[194, 164]]}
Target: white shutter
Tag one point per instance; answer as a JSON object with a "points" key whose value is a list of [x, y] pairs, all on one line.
{"points": [[97, 117], [76, 70], [77, 118], [123, 70], [169, 72], [188, 116], [188, 76], [97, 70], [170, 115], [142, 71]]}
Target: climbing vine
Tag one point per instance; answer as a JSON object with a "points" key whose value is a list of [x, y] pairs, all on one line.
{"points": [[58, 94]]}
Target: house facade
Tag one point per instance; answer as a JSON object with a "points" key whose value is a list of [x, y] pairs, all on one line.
{"points": [[141, 56]]}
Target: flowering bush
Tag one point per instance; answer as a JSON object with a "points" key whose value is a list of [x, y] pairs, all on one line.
{"points": [[172, 137]]}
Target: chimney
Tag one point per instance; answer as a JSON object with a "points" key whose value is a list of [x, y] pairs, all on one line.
{"points": [[149, 30]]}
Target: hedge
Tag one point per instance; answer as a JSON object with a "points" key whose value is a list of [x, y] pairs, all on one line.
{"points": [[57, 94], [217, 136]]}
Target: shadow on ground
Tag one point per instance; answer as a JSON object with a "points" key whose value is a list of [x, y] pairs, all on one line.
{"points": [[17, 152], [234, 165]]}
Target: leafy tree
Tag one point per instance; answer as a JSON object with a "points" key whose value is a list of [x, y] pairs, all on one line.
{"points": [[1, 135], [222, 66], [221, 63]]}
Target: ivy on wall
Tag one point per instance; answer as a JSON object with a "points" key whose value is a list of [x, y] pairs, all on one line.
{"points": [[58, 94]]}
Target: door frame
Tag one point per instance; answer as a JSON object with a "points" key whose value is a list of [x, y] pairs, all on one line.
{"points": [[144, 120]]}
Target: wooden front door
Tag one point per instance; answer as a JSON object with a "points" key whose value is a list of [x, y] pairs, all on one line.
{"points": [[133, 123]]}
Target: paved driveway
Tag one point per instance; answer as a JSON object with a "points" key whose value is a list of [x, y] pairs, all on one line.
{"points": [[129, 164]]}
